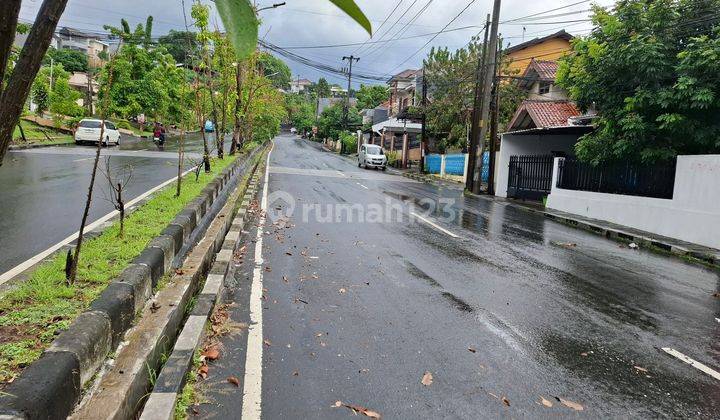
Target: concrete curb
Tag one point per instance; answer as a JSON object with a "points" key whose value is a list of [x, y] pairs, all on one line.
{"points": [[696, 253], [42, 390], [36, 145], [170, 382]]}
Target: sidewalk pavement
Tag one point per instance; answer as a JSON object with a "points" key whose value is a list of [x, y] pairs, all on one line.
{"points": [[698, 253]]}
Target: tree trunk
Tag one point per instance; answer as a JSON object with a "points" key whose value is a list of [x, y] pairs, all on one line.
{"points": [[22, 132], [8, 25], [18, 87], [78, 248], [181, 155], [121, 209], [238, 105]]}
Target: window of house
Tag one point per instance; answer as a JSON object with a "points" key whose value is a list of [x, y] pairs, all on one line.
{"points": [[544, 88]]}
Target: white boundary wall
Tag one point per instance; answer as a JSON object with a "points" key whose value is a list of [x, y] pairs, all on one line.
{"points": [[692, 215]]}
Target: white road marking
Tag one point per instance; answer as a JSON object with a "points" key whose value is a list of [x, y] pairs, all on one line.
{"points": [[80, 160], [694, 363], [362, 185], [435, 225], [8, 275], [341, 174], [252, 392]]}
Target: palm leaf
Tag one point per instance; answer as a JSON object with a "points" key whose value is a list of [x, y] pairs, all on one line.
{"points": [[241, 24], [352, 10]]}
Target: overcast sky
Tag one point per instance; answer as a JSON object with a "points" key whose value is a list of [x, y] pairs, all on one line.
{"points": [[319, 22]]}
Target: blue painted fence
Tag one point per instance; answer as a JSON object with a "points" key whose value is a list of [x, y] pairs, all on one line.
{"points": [[455, 164]]}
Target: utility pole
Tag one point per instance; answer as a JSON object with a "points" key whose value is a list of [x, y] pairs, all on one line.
{"points": [[423, 138], [346, 109], [489, 76], [477, 105], [494, 123]]}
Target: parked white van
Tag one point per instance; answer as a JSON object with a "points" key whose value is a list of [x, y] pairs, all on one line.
{"points": [[372, 156], [88, 131]]}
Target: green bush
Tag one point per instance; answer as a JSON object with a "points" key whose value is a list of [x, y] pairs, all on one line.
{"points": [[392, 157], [349, 142], [124, 125]]}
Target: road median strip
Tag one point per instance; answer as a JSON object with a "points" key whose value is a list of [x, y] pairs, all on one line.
{"points": [[77, 327], [169, 385]]}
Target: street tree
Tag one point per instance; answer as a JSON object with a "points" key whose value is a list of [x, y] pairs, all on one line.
{"points": [[650, 70], [71, 60], [179, 44], [331, 122], [15, 91], [61, 98], [275, 69], [368, 97]]}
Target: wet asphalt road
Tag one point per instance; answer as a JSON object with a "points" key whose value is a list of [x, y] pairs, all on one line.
{"points": [[42, 191], [503, 315]]}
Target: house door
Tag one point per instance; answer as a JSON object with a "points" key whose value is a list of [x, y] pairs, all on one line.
{"points": [[530, 176]]}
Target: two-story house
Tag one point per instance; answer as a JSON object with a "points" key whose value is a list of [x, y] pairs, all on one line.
{"points": [[89, 44]]}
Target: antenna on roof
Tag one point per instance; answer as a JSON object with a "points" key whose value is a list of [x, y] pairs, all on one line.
{"points": [[523, 37]]}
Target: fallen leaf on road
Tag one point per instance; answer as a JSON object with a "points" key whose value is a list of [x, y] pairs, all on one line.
{"points": [[342, 290], [427, 379], [567, 403], [267, 342], [546, 403], [716, 294], [268, 268], [295, 373], [211, 353], [288, 253], [472, 350], [179, 272], [506, 401], [203, 371], [358, 409], [154, 307], [319, 334], [640, 369], [285, 279], [565, 244], [233, 380]]}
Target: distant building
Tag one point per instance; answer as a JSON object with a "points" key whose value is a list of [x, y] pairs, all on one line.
{"points": [[324, 103], [375, 115], [299, 85], [402, 90], [337, 91], [90, 44], [549, 48]]}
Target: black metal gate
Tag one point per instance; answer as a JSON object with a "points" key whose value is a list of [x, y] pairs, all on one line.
{"points": [[530, 176]]}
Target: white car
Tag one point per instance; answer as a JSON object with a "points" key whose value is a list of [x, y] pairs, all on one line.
{"points": [[372, 156], [89, 131]]}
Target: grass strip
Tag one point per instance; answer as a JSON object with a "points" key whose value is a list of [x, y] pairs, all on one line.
{"points": [[44, 305], [35, 134]]}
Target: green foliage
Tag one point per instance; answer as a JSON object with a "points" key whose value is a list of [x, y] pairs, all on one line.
{"points": [[241, 23], [331, 124], [392, 157], [450, 79], [179, 44], [349, 141], [322, 88], [349, 7], [71, 60], [275, 69], [146, 81], [369, 97], [650, 70], [300, 110], [44, 304], [62, 98]]}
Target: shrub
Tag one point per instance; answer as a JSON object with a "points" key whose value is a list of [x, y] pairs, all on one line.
{"points": [[124, 125], [392, 157], [349, 142]]}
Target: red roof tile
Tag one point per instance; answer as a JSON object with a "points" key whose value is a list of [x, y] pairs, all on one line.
{"points": [[546, 69], [544, 114]]}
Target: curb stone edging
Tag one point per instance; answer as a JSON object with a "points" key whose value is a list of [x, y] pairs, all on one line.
{"points": [[170, 382], [43, 389]]}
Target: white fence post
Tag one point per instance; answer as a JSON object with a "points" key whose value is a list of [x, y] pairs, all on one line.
{"points": [[465, 170], [442, 165]]}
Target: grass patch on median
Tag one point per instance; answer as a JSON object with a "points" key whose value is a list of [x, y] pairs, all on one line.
{"points": [[37, 310], [36, 134]]}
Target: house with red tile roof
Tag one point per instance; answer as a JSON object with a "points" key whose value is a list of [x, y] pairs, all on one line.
{"points": [[546, 125]]}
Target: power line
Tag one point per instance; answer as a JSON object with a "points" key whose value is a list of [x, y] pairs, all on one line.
{"points": [[387, 31], [381, 25], [433, 38], [402, 30]]}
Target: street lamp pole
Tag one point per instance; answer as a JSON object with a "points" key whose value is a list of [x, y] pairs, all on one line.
{"points": [[346, 109]]}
